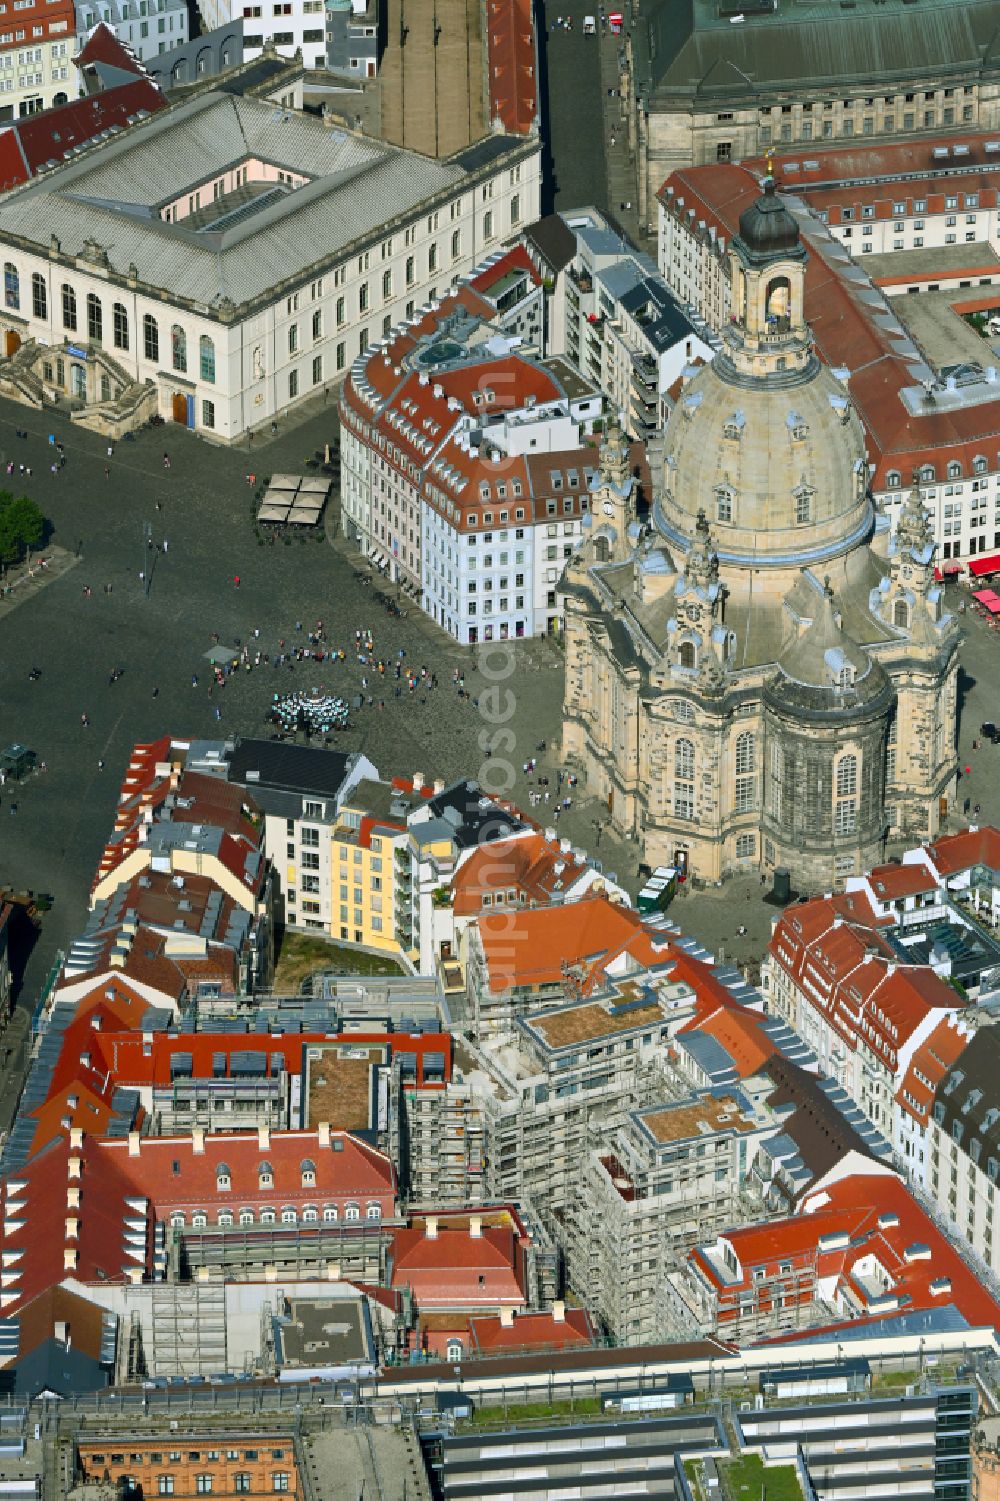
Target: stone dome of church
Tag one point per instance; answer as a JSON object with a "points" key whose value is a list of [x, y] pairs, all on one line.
{"points": [[778, 467]]}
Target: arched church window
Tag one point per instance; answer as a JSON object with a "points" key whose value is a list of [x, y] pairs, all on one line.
{"points": [[845, 813], [684, 778], [901, 614], [684, 711], [684, 758], [688, 654], [803, 504], [745, 798], [777, 781]]}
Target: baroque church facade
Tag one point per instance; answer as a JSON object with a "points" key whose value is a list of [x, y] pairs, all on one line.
{"points": [[761, 677]]}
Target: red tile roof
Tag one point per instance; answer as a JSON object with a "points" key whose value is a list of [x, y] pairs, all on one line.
{"points": [[513, 83], [929, 1064], [29, 145], [739, 1032], [532, 1331], [104, 45], [516, 259], [456, 1269], [537, 869], [892, 882], [880, 1219], [537, 946], [958, 852]]}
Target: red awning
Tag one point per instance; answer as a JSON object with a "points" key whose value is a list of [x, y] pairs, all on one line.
{"points": [[949, 570], [980, 566]]}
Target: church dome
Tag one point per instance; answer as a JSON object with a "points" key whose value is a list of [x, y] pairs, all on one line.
{"points": [[767, 229], [778, 467]]}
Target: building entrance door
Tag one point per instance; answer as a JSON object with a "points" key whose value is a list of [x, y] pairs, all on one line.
{"points": [[12, 342], [179, 407], [78, 382]]}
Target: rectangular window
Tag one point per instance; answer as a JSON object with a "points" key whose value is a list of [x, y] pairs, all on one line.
{"points": [[293, 384], [208, 414], [317, 369]]}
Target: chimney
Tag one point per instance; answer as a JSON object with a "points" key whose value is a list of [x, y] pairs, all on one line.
{"points": [[506, 1318], [323, 1133], [75, 1139], [134, 1274], [72, 1198], [476, 1227], [332, 1272], [202, 1274], [438, 786], [263, 1137], [72, 1228], [559, 1312], [133, 1143], [418, 780], [198, 1141], [69, 1259], [60, 1330], [270, 1272], [432, 1227], [73, 1167]]}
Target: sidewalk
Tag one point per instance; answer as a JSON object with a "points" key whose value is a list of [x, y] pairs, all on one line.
{"points": [[621, 170]]}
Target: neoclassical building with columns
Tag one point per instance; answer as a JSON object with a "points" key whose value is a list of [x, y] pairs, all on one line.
{"points": [[761, 677]]}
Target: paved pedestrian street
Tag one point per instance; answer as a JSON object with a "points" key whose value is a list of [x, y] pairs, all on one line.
{"points": [[201, 509]]}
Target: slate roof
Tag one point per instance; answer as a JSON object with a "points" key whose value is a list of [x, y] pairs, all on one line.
{"points": [[553, 240], [289, 768], [686, 47], [114, 196]]}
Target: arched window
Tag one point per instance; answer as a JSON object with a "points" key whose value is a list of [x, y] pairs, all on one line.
{"points": [[386, 285], [199, 1219], [745, 791], [288, 1215], [95, 319], [453, 1351], [352, 1212], [150, 337], [901, 614], [178, 348], [265, 1175], [206, 358], [777, 307], [845, 812], [11, 285], [893, 479], [39, 297], [777, 780], [177, 1219], [373, 1212], [928, 475], [979, 464], [225, 1219], [688, 655], [69, 307], [267, 1216], [683, 778], [954, 469], [310, 1215], [223, 1177], [308, 1170], [246, 1216], [119, 322], [329, 1214]]}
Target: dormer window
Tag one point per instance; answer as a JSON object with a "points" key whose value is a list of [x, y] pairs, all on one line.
{"points": [[352, 1212], [894, 479], [223, 1178], [308, 1170], [265, 1175]]}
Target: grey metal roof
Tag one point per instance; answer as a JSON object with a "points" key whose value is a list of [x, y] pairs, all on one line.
{"points": [[113, 196], [686, 47]]}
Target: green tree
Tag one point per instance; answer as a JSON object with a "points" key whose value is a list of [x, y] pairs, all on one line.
{"points": [[22, 525]]}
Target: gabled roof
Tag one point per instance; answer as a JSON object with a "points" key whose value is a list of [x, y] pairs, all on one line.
{"points": [[513, 82], [456, 1268], [538, 870], [952, 853], [539, 946], [30, 145], [929, 1065], [105, 46], [532, 1331]]}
